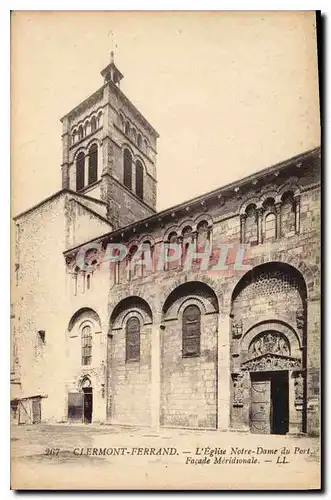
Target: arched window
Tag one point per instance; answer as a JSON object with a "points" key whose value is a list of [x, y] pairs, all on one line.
{"points": [[171, 252], [93, 164], [287, 215], [139, 141], [132, 340], [74, 136], [93, 124], [147, 258], [99, 119], [191, 332], [88, 282], [139, 180], [80, 171], [251, 225], [127, 178], [146, 146], [80, 133], [270, 227], [134, 135], [87, 128], [86, 345], [127, 128], [202, 235], [132, 268]]}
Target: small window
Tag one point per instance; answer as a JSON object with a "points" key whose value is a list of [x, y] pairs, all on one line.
{"points": [[86, 345], [127, 128], [139, 141], [80, 133], [191, 332], [93, 124], [88, 282], [171, 252], [132, 340], [127, 167], [270, 227], [203, 235], [80, 171], [99, 119], [132, 267]]}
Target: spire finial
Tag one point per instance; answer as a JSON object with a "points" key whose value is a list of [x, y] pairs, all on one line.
{"points": [[112, 56]]}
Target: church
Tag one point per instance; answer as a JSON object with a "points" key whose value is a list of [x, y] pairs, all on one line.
{"points": [[229, 341]]}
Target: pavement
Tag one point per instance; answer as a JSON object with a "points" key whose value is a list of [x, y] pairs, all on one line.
{"points": [[101, 457]]}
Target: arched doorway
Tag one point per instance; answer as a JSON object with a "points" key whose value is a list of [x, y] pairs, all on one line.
{"points": [[83, 353], [80, 403], [268, 351], [86, 388]]}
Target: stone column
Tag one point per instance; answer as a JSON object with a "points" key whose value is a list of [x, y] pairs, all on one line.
{"points": [[242, 227], [295, 403], [86, 169], [297, 213], [65, 154], [155, 372], [247, 400], [277, 206], [223, 373], [259, 225]]}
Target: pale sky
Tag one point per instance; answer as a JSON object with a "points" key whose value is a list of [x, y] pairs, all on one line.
{"points": [[230, 93]]}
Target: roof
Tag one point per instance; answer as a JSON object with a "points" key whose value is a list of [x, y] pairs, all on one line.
{"points": [[211, 194], [58, 194]]}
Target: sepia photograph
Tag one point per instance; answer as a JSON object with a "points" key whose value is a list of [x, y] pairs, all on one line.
{"points": [[165, 250]]}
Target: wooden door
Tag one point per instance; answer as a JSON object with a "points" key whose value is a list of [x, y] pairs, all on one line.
{"points": [[260, 407], [36, 411]]}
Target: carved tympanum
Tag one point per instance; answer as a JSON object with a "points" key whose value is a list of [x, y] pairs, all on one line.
{"points": [[269, 342]]}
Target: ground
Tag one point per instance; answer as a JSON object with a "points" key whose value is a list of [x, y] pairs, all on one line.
{"points": [[196, 459]]}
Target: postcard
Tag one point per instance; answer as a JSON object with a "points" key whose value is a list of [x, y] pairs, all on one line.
{"points": [[165, 250]]}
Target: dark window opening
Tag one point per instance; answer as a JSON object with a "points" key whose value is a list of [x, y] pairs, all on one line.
{"points": [[132, 344], [191, 332], [139, 180], [93, 124], [80, 171], [127, 169], [86, 345], [93, 164]]}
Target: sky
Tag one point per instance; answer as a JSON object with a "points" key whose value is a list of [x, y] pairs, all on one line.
{"points": [[230, 93]]}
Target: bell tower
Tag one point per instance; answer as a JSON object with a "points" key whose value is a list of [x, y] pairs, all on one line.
{"points": [[109, 152]]}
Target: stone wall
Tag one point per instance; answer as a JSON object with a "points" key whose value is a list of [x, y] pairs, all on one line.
{"points": [[129, 381], [189, 385]]}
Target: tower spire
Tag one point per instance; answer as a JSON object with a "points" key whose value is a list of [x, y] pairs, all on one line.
{"points": [[111, 73]]}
